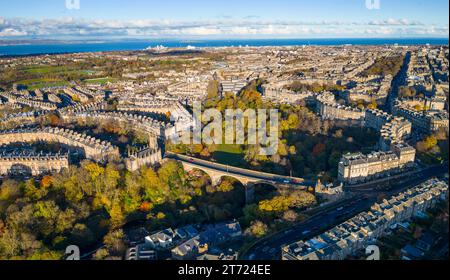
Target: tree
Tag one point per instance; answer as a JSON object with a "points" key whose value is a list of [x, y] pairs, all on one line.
{"points": [[276, 204], [46, 182], [9, 190], [318, 149], [225, 186], [205, 153], [406, 91], [430, 142], [146, 206], [155, 190], [213, 95], [292, 150], [290, 216], [114, 243], [300, 199], [65, 220], [45, 254], [101, 254], [373, 105], [94, 170], [53, 119], [427, 144], [32, 192], [338, 133], [257, 229], [111, 178], [282, 149], [116, 214], [282, 203], [9, 243], [81, 235]]}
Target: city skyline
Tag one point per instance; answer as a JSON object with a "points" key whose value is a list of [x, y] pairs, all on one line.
{"points": [[54, 19]]}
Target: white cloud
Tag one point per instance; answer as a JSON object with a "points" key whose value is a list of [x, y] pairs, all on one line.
{"points": [[10, 32], [393, 22], [223, 27]]}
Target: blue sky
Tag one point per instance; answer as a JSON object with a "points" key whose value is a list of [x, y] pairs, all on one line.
{"points": [[223, 19]]}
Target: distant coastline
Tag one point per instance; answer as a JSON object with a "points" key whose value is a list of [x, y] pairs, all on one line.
{"points": [[42, 47]]}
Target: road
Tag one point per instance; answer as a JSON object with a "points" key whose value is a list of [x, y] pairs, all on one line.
{"points": [[270, 248], [251, 174]]}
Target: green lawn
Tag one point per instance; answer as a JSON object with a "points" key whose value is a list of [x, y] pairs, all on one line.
{"points": [[229, 154], [46, 69], [231, 149], [48, 75]]}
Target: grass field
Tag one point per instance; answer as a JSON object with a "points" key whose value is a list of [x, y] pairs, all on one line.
{"points": [[48, 69], [44, 69], [229, 154], [39, 76]]}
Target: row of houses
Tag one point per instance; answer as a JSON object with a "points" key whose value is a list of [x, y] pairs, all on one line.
{"points": [[202, 243], [362, 230], [189, 243], [357, 167]]}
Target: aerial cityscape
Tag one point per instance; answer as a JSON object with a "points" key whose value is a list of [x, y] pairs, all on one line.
{"points": [[245, 137]]}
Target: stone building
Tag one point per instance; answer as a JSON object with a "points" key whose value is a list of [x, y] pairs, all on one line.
{"points": [[145, 157], [32, 164], [364, 229], [16, 99], [359, 168], [327, 108], [394, 155], [426, 121], [92, 148]]}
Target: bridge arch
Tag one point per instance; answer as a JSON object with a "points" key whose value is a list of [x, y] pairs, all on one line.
{"points": [[242, 181], [196, 169], [216, 176], [264, 182]]}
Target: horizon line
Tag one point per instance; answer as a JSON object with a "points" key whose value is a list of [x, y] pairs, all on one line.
{"points": [[224, 38]]}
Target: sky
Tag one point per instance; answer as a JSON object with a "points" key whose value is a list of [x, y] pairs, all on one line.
{"points": [[220, 19]]}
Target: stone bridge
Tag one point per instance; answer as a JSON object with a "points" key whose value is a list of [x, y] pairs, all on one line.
{"points": [[248, 178]]}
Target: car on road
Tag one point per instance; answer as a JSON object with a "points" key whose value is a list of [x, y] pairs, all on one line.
{"points": [[191, 160]]}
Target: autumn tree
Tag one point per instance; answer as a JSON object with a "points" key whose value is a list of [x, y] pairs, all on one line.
{"points": [[257, 229]]}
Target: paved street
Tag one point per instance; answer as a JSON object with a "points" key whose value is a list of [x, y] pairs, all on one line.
{"points": [[270, 249]]}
